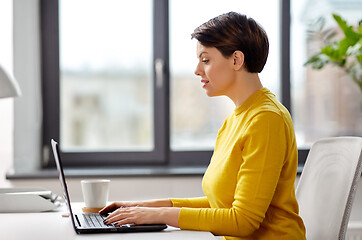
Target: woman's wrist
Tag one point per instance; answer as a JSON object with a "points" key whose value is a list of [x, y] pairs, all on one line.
{"points": [[170, 215], [157, 203]]}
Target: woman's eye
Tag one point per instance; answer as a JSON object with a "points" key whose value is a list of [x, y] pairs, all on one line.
{"points": [[205, 60]]}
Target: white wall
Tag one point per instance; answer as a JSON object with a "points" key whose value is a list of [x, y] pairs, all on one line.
{"points": [[6, 105]]}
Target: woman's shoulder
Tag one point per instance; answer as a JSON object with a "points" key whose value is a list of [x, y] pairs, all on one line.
{"points": [[269, 105]]}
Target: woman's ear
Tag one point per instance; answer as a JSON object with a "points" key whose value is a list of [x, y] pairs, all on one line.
{"points": [[238, 60]]}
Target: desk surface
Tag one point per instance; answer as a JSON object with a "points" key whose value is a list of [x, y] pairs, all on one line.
{"points": [[51, 225]]}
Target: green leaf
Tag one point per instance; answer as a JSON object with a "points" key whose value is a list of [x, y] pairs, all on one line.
{"points": [[333, 53], [355, 50], [359, 58], [348, 30], [344, 44], [317, 61], [345, 52]]}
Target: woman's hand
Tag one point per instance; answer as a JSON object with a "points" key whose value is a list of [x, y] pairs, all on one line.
{"points": [[115, 205], [148, 203], [144, 215]]}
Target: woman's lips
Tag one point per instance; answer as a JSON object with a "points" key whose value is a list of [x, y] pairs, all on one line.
{"points": [[205, 82]]}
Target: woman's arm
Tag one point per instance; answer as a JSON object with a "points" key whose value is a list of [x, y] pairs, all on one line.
{"points": [[200, 202], [150, 211], [126, 204]]}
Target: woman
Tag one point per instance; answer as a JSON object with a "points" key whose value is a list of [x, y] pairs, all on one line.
{"points": [[249, 184]]}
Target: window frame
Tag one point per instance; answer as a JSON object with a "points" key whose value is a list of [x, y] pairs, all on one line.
{"points": [[162, 154]]}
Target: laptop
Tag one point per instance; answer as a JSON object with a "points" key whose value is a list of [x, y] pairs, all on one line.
{"points": [[93, 222]]}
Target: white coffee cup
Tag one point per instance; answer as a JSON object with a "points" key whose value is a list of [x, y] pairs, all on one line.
{"points": [[95, 192]]}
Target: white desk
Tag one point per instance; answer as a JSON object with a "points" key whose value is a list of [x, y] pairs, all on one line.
{"points": [[52, 226]]}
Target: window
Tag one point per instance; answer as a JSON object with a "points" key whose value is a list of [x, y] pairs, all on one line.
{"points": [[99, 99], [118, 82], [105, 75], [325, 103]]}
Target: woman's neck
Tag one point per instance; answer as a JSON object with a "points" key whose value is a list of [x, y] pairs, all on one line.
{"points": [[246, 84]]}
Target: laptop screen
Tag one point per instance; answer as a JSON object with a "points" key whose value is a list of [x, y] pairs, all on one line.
{"points": [[56, 153]]}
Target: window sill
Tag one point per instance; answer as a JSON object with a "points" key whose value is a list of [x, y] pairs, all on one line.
{"points": [[110, 172], [196, 171]]}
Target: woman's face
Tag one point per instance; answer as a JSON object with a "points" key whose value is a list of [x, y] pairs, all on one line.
{"points": [[216, 71]]}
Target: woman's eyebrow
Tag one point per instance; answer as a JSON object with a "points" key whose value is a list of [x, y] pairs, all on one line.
{"points": [[201, 54]]}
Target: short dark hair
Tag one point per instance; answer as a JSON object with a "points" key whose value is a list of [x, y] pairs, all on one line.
{"points": [[233, 31]]}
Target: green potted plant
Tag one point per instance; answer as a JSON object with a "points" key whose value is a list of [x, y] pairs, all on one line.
{"points": [[345, 52]]}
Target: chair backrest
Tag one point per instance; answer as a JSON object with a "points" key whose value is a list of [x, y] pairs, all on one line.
{"points": [[327, 186]]}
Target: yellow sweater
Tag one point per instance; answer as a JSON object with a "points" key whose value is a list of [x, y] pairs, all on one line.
{"points": [[249, 184]]}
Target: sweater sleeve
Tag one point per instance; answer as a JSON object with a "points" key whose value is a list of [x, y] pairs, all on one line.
{"points": [[263, 149], [200, 202]]}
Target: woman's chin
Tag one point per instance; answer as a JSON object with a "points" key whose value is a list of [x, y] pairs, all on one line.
{"points": [[211, 94]]}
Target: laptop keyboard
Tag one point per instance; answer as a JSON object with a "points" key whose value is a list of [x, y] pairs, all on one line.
{"points": [[95, 220]]}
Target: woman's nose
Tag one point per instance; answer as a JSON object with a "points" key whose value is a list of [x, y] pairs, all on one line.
{"points": [[197, 70]]}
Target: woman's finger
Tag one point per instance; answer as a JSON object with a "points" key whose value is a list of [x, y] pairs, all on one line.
{"points": [[119, 214], [128, 220], [109, 208], [105, 210]]}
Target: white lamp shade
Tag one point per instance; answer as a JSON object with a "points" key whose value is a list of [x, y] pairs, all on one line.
{"points": [[8, 85]]}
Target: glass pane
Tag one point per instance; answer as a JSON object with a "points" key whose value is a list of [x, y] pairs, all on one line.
{"points": [[325, 103], [196, 118], [106, 75]]}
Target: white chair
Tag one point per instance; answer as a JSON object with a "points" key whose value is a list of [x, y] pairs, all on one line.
{"points": [[327, 186]]}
